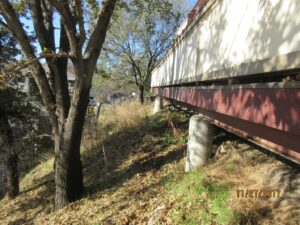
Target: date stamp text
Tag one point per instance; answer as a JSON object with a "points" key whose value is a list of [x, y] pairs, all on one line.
{"points": [[258, 193]]}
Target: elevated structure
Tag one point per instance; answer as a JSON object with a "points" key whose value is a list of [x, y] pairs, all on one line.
{"points": [[237, 64]]}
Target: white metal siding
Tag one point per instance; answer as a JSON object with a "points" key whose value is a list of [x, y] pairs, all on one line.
{"points": [[235, 33]]}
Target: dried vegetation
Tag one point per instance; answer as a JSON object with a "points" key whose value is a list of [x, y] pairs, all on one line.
{"points": [[133, 166]]}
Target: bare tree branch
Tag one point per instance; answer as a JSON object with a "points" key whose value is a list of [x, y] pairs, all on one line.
{"points": [[39, 74], [4, 25], [63, 8], [95, 43], [41, 32], [79, 17]]}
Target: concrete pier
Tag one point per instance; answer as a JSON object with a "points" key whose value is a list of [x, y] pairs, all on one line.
{"points": [[200, 140], [158, 104]]}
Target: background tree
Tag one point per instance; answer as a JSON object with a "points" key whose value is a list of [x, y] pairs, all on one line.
{"points": [[79, 42], [20, 133], [8, 48], [8, 52], [11, 158], [109, 79], [17, 111], [147, 28]]}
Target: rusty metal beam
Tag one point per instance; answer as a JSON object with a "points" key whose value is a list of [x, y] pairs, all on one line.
{"points": [[268, 116]]}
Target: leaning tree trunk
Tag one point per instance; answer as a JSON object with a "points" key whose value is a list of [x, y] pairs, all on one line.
{"points": [[142, 89]]}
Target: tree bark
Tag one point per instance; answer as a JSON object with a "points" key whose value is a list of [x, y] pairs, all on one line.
{"points": [[68, 167], [68, 171], [142, 89], [12, 175], [11, 162]]}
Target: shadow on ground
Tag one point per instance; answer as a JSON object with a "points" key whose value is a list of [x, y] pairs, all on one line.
{"points": [[127, 153], [245, 166], [116, 162], [31, 202]]}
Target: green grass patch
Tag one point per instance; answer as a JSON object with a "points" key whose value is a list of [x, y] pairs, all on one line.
{"points": [[199, 200], [182, 139], [168, 140]]}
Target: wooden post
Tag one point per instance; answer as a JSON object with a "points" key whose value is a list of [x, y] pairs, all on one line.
{"points": [[98, 111]]}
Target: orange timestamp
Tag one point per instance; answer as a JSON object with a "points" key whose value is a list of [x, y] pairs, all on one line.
{"points": [[258, 193]]}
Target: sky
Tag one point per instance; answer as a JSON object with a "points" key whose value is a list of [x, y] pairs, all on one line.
{"points": [[188, 3]]}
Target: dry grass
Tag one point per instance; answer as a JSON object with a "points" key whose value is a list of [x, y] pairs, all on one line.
{"points": [[244, 167], [124, 115], [133, 169], [36, 197]]}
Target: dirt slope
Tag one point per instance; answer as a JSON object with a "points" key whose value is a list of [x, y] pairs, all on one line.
{"points": [[133, 167]]}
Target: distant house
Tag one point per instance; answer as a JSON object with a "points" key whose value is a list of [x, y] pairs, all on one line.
{"points": [[71, 77], [25, 83]]}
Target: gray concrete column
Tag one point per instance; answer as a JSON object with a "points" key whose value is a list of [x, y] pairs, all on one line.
{"points": [[158, 104], [200, 139]]}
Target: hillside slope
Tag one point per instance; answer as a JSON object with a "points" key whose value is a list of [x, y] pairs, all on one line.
{"points": [[133, 166]]}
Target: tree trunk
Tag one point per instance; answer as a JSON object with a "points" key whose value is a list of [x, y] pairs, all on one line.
{"points": [[11, 162], [68, 167], [142, 95], [12, 175], [67, 124]]}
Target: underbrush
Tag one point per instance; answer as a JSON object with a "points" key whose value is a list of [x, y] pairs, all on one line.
{"points": [[133, 164], [123, 116]]}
